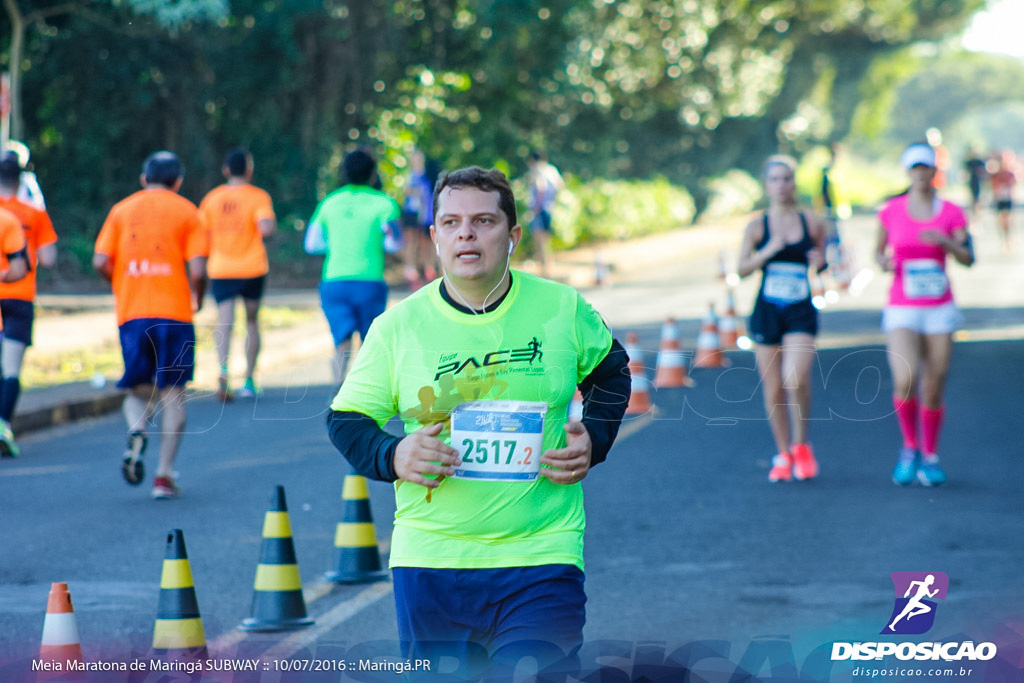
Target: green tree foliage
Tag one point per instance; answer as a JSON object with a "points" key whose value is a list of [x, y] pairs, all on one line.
{"points": [[679, 89]]}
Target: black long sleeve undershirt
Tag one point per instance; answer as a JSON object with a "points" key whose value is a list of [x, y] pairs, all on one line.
{"points": [[371, 451]]}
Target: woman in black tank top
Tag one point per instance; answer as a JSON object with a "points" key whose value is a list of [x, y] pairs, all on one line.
{"points": [[784, 244]]}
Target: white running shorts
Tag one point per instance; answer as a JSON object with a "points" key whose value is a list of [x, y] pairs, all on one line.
{"points": [[942, 319]]}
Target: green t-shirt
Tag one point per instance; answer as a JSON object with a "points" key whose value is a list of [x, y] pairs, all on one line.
{"points": [[421, 358], [353, 219]]}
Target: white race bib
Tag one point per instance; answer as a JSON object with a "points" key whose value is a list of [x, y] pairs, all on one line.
{"points": [[786, 283], [498, 440], [924, 279]]}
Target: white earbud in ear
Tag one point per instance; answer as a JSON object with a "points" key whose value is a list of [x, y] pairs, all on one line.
{"points": [[437, 248], [511, 248]]}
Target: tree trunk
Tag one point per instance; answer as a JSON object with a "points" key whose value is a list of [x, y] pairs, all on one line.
{"points": [[14, 60]]}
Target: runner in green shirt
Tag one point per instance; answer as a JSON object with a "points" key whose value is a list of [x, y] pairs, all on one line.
{"points": [[353, 227], [481, 367]]}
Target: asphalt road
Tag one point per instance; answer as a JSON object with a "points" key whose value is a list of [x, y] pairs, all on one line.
{"points": [[691, 554]]}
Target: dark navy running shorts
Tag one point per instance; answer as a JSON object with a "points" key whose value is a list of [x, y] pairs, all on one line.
{"points": [[225, 289], [351, 305], [541, 221], [18, 316], [492, 618], [770, 322], [157, 351]]}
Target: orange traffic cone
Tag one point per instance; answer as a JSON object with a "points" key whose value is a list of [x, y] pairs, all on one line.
{"points": [[60, 635], [709, 350], [671, 369], [817, 291], [576, 406], [639, 393], [600, 270], [178, 632], [277, 603], [355, 538], [729, 328], [723, 271]]}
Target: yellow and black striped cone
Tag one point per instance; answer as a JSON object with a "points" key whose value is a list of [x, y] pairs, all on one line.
{"points": [[178, 632], [277, 604], [355, 539]]}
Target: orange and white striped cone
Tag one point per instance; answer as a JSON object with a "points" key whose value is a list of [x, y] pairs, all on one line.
{"points": [[670, 371], [729, 327], [817, 290], [723, 271], [60, 643], [709, 349], [639, 392], [178, 632]]}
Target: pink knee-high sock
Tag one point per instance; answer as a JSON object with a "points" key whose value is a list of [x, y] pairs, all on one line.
{"points": [[906, 414], [931, 423]]}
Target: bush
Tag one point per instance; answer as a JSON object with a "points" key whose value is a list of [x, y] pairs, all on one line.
{"points": [[731, 194], [600, 210]]}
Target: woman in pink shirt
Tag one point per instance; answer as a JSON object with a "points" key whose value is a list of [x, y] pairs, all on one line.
{"points": [[917, 231]]}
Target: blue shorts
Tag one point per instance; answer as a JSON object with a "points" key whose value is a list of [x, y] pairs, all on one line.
{"points": [[157, 351], [18, 316], [541, 221], [351, 305], [225, 289], [490, 619]]}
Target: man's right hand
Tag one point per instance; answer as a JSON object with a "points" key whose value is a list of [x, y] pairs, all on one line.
{"points": [[422, 453]]}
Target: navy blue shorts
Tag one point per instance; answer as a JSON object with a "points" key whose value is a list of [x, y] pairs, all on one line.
{"points": [[541, 221], [225, 289], [18, 316], [490, 619], [157, 351], [770, 322], [351, 305]]}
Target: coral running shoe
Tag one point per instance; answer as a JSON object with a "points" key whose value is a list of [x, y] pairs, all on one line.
{"points": [[804, 464], [132, 468], [930, 473], [906, 466], [782, 468], [165, 488]]}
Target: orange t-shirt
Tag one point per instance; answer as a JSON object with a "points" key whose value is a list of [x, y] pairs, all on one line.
{"points": [[12, 240], [231, 213], [149, 237], [38, 233]]}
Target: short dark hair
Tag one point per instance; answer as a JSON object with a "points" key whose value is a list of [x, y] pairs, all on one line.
{"points": [[237, 161], [10, 170], [486, 181], [163, 168], [357, 168]]}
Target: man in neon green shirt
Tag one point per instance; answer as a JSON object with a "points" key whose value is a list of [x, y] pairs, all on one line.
{"points": [[487, 552], [354, 227]]}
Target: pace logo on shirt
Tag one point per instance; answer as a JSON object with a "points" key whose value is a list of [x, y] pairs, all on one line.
{"points": [[456, 363]]}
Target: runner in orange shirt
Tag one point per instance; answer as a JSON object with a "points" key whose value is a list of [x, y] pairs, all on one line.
{"points": [[238, 216], [142, 250], [13, 267], [16, 299]]}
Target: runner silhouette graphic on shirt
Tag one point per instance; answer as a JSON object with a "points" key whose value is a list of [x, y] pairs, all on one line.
{"points": [[915, 606]]}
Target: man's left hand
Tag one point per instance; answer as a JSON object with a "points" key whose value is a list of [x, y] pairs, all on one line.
{"points": [[569, 465]]}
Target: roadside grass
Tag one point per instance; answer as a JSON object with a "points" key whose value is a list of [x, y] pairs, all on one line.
{"points": [[49, 369]]}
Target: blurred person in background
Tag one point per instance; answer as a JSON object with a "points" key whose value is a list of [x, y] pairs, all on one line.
{"points": [[239, 217], [17, 299], [917, 231]]}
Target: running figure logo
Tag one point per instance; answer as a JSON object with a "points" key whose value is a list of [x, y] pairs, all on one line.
{"points": [[914, 612]]}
